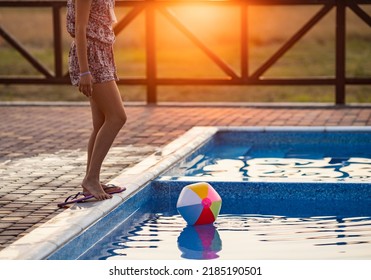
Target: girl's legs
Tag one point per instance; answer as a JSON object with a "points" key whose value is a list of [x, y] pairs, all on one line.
{"points": [[98, 121], [108, 118]]}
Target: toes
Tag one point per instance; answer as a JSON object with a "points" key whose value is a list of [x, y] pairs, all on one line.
{"points": [[98, 193], [105, 196]]}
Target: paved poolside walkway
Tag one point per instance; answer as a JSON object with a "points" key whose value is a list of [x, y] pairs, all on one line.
{"points": [[42, 148]]}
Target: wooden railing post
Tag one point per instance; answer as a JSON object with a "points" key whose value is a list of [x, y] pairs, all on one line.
{"points": [[57, 33], [244, 42], [340, 53], [151, 67]]}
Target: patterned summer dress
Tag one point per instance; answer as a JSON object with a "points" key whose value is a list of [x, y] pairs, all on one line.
{"points": [[100, 39]]}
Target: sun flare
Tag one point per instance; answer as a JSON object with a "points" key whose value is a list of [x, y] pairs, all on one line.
{"points": [[206, 18]]}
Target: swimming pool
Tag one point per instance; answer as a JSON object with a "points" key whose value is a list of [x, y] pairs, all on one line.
{"points": [[262, 217]]}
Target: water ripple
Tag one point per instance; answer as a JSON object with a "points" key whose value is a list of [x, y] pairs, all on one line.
{"points": [[288, 238], [344, 169]]}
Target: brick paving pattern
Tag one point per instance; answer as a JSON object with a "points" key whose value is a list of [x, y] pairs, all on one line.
{"points": [[42, 148]]}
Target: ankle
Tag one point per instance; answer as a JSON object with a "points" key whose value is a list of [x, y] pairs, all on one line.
{"points": [[91, 179]]}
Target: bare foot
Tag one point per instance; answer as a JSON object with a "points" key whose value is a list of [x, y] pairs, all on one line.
{"points": [[107, 188], [95, 188]]}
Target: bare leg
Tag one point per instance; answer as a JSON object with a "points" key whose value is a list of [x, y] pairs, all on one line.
{"points": [[98, 121], [106, 103]]}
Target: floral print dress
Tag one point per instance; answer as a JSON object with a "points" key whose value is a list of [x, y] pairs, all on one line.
{"points": [[100, 39]]}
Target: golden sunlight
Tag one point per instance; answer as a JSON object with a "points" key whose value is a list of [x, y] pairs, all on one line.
{"points": [[212, 24], [202, 17]]}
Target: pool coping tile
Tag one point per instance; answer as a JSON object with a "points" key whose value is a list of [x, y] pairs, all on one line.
{"points": [[47, 238]]}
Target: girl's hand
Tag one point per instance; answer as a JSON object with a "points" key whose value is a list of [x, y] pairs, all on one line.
{"points": [[86, 85]]}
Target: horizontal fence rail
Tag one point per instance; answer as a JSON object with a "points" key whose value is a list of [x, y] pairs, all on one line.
{"points": [[151, 7]]}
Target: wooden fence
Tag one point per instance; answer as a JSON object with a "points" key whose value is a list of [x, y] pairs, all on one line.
{"points": [[244, 77]]}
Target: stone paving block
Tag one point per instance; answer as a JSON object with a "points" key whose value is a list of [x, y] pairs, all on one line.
{"points": [[22, 192], [5, 225], [28, 220], [48, 207], [32, 207], [16, 226], [11, 233], [29, 187], [12, 197], [10, 219], [28, 198], [41, 191], [6, 212], [13, 205], [19, 214], [5, 238], [4, 202], [42, 181], [50, 196]]}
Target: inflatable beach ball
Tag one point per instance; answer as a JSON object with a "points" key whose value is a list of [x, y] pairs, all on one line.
{"points": [[199, 204]]}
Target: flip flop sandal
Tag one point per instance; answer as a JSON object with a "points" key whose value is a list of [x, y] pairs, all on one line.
{"points": [[76, 198], [106, 188], [112, 186]]}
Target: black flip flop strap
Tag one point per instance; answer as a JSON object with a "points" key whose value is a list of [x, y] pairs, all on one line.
{"points": [[72, 197]]}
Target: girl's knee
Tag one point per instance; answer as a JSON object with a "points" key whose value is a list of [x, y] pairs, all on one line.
{"points": [[97, 125], [118, 120], [123, 119]]}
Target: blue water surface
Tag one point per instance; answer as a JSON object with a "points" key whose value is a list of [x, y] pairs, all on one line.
{"points": [[310, 156]]}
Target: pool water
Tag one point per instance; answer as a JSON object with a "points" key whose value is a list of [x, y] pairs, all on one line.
{"points": [[285, 195], [241, 233], [306, 156], [242, 237]]}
